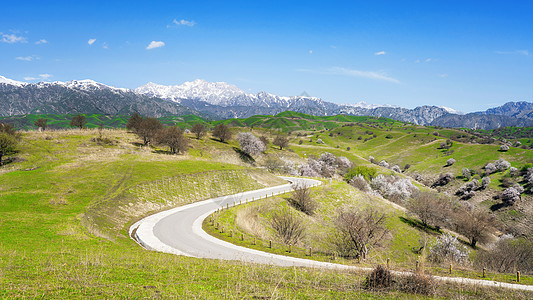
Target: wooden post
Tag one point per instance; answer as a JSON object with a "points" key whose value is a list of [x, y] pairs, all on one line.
{"points": [[254, 241], [240, 202], [484, 270], [451, 269], [518, 276], [217, 226], [242, 236], [227, 205], [270, 244], [388, 263], [231, 233], [417, 265], [222, 229], [310, 251], [290, 246]]}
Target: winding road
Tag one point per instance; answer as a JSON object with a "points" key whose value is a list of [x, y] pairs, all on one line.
{"points": [[179, 231]]}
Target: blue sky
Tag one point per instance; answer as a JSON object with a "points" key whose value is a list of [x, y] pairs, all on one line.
{"points": [[468, 55]]}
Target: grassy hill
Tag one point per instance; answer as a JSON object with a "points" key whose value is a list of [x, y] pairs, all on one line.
{"points": [[67, 202]]}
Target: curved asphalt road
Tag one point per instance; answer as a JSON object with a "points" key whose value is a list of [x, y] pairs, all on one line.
{"points": [[179, 231]]}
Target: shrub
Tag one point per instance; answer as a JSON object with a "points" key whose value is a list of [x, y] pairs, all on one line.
{"points": [[502, 165], [393, 188], [384, 164], [360, 183], [379, 278], [513, 172], [8, 143], [466, 173], [509, 196], [367, 172], [288, 227], [301, 198], [490, 168], [371, 159], [508, 255], [418, 283], [396, 169], [450, 162], [443, 179], [281, 142], [485, 181], [504, 148], [319, 141], [448, 249]]}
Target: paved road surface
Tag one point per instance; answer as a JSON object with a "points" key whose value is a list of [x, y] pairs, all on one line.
{"points": [[179, 231]]}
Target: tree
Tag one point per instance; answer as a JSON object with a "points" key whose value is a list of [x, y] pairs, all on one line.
{"points": [[8, 128], [173, 137], [504, 148], [264, 140], [288, 227], [301, 198], [431, 208], [199, 130], [41, 123], [359, 230], [250, 144], [222, 132], [510, 195], [133, 122], [475, 225], [281, 142], [148, 129], [450, 162], [78, 121], [7, 144]]}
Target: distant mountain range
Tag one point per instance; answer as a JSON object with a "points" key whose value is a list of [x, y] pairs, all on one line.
{"points": [[219, 100]]}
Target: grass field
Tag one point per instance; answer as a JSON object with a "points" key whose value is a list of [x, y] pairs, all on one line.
{"points": [[67, 202]]}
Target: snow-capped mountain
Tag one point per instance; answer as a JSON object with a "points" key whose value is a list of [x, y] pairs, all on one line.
{"points": [[219, 100]]}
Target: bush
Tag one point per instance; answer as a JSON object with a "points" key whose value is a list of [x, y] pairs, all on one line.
{"points": [[504, 148], [288, 227], [502, 165], [418, 283], [466, 173], [360, 183], [485, 181], [443, 180], [319, 141], [510, 196], [384, 164], [448, 249], [379, 278], [490, 168], [508, 255], [393, 188], [396, 169], [367, 172], [513, 172], [450, 162], [301, 198]]}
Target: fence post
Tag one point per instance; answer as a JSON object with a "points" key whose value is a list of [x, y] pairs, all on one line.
{"points": [[310, 251], [231, 233], [290, 248], [270, 244], [518, 276], [484, 270], [254, 240], [451, 269], [417, 265], [388, 263], [242, 236]]}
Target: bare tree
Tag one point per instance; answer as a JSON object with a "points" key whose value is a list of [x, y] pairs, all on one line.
{"points": [[288, 227], [250, 144], [222, 132], [78, 121], [265, 141], [41, 123], [474, 224], [281, 142], [199, 130], [431, 208], [172, 137], [8, 128], [301, 198], [7, 144], [359, 230], [148, 129], [134, 122]]}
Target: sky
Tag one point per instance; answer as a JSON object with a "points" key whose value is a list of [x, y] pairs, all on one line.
{"points": [[467, 55]]}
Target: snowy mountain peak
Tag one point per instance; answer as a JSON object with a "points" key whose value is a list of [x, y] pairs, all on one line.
{"points": [[451, 110], [8, 81], [363, 104]]}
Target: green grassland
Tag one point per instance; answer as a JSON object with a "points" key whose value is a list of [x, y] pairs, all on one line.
{"points": [[67, 202]]}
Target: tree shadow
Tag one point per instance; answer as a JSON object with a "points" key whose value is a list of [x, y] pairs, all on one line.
{"points": [[245, 157], [137, 144], [497, 206], [418, 225]]}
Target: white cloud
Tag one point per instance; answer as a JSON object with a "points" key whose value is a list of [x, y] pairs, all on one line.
{"points": [[182, 22], [105, 46], [155, 44], [41, 41], [428, 60], [91, 41], [516, 52], [310, 51], [27, 58], [443, 75], [12, 38], [353, 73], [40, 77], [380, 53]]}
